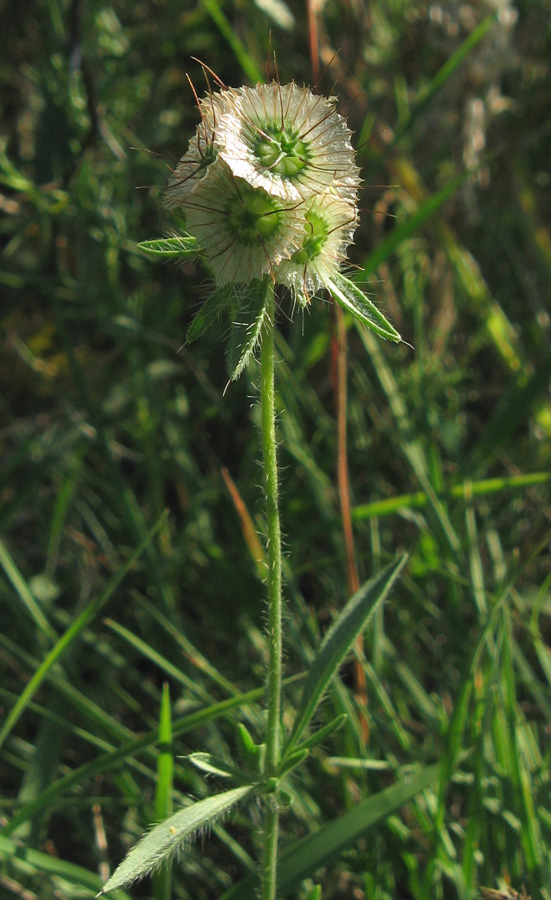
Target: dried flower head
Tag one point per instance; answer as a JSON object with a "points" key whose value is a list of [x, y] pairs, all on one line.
{"points": [[201, 153], [243, 231], [268, 190], [328, 224], [289, 141]]}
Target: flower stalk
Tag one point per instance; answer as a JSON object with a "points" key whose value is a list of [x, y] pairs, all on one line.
{"points": [[267, 192], [275, 637]]}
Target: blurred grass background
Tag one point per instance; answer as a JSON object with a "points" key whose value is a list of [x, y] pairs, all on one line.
{"points": [[107, 420]]}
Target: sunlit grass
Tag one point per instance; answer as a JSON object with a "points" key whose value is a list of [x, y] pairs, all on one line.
{"points": [[108, 421]]}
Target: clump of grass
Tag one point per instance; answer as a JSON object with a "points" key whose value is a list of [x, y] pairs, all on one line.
{"points": [[105, 425]]}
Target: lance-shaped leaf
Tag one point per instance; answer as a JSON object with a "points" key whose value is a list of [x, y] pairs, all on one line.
{"points": [[183, 246], [215, 765], [320, 736], [247, 327], [354, 301], [167, 838], [216, 303], [352, 621]]}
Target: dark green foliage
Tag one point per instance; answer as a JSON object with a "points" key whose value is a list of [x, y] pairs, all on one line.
{"points": [[108, 418]]}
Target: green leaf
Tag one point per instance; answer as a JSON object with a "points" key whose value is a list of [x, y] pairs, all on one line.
{"points": [[175, 247], [210, 311], [337, 642], [68, 638], [165, 839], [126, 752], [28, 862], [354, 301], [209, 764], [24, 592], [214, 765], [252, 754], [245, 738], [323, 733], [304, 857], [238, 48], [426, 211], [246, 330], [290, 762]]}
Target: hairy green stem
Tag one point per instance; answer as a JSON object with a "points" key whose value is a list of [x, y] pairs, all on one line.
{"points": [[273, 682]]}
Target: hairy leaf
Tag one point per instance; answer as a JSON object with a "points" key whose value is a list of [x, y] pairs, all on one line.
{"points": [[182, 246], [337, 642], [354, 301], [215, 304], [167, 838], [247, 328]]}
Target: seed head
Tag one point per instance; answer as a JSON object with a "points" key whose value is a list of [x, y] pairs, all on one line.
{"points": [[202, 152], [244, 231], [268, 189], [328, 224], [289, 141]]}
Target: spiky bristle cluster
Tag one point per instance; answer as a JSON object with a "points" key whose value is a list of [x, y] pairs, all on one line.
{"points": [[268, 186]]}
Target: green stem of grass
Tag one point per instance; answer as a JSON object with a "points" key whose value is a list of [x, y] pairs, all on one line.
{"points": [[273, 681]]}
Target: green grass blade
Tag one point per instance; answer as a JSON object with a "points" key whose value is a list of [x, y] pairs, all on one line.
{"points": [[24, 593], [423, 214], [164, 664], [412, 449], [419, 499], [108, 761], [199, 661], [78, 701], [445, 72], [28, 860], [456, 730], [238, 49], [167, 838], [162, 881], [518, 772], [70, 635], [319, 848], [502, 428], [337, 642]]}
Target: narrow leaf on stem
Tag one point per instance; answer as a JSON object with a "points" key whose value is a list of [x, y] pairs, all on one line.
{"points": [[182, 246], [354, 301], [246, 331], [337, 642], [167, 838]]}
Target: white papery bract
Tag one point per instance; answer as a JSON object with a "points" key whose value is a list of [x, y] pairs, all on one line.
{"points": [[202, 152], [243, 231], [289, 141], [328, 228], [268, 191]]}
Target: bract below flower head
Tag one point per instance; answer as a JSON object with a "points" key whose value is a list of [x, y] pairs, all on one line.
{"points": [[242, 230], [201, 153], [328, 228], [289, 141]]}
